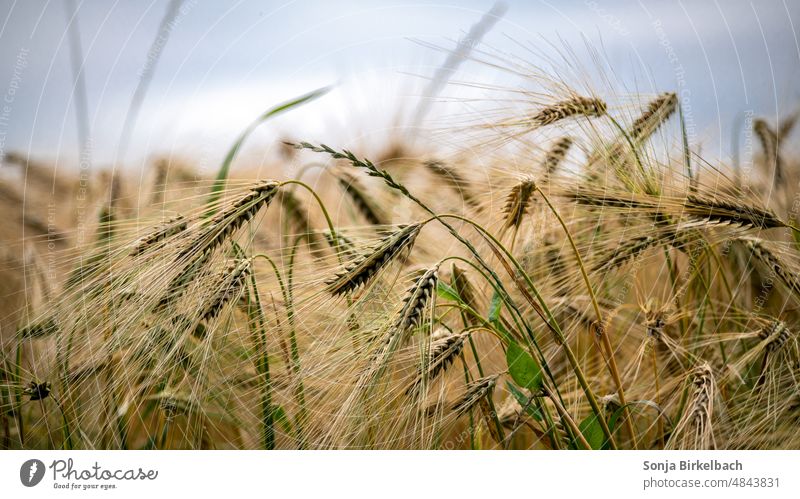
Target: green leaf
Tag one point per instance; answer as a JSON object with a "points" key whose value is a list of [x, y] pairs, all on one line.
{"points": [[495, 306], [503, 332], [523, 368], [523, 401], [222, 174], [592, 432], [446, 291]]}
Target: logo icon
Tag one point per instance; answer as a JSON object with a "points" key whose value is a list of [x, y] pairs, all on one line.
{"points": [[31, 472]]}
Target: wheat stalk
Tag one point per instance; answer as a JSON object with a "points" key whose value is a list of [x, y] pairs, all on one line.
{"points": [[465, 290], [365, 267], [353, 188], [442, 352], [517, 203], [769, 143], [694, 430], [777, 333], [786, 126], [657, 112], [473, 394], [556, 154], [577, 106], [772, 262], [160, 233], [227, 221], [700, 208], [297, 215], [453, 179], [418, 296], [226, 289]]}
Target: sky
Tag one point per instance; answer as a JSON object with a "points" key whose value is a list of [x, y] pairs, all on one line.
{"points": [[225, 63]]}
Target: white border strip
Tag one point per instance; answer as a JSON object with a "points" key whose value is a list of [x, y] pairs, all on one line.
{"points": [[406, 474]]}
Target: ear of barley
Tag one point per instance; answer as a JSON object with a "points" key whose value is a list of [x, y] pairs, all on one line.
{"points": [[786, 126], [617, 153], [774, 336], [227, 221], [346, 245], [591, 197], [709, 210], [655, 324], [409, 316], [693, 206], [44, 327], [414, 302], [296, 214], [443, 350], [161, 168], [517, 203], [777, 333], [556, 154], [454, 179], [628, 250], [177, 286], [416, 298], [633, 247], [365, 267], [770, 329], [657, 112], [578, 106], [772, 262], [473, 394], [729, 212], [769, 143], [694, 430], [357, 194], [160, 233], [227, 288], [464, 288]]}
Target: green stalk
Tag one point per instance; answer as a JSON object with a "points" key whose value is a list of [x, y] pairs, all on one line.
{"points": [[600, 329], [257, 324], [256, 318], [222, 174], [293, 351]]}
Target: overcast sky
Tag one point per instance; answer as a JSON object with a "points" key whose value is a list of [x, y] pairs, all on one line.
{"points": [[226, 62]]}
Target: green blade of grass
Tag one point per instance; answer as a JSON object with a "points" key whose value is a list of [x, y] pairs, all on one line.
{"points": [[222, 174], [591, 430], [523, 368]]}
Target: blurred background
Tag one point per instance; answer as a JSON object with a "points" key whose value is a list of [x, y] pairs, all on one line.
{"points": [[132, 80]]}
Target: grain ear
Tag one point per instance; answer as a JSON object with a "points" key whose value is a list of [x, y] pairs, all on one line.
{"points": [[577, 106], [365, 267]]}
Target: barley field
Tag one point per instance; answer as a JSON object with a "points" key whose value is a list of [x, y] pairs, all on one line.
{"points": [[571, 275]]}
